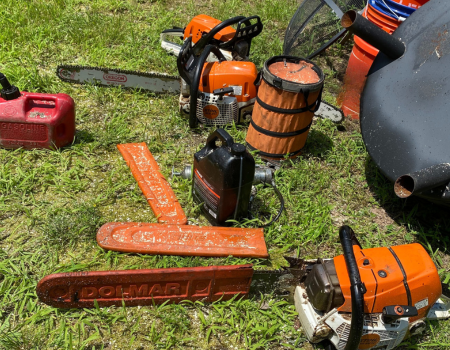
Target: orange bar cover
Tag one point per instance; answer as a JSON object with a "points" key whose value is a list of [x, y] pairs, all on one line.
{"points": [[152, 183], [144, 287], [134, 237]]}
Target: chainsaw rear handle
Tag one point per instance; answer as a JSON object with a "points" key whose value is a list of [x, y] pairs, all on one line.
{"points": [[348, 240], [194, 83]]}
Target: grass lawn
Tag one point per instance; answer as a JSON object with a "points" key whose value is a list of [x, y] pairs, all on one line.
{"points": [[53, 202]]}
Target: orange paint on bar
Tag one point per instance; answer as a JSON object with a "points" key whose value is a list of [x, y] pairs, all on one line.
{"points": [[145, 238], [152, 183]]}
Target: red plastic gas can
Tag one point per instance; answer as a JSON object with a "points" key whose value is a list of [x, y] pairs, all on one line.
{"points": [[36, 120]]}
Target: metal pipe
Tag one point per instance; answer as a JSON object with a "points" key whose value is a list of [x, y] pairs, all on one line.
{"points": [[262, 175], [422, 180], [374, 35], [346, 236]]}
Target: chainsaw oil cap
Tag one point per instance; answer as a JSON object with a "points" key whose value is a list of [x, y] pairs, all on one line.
{"points": [[237, 149]]}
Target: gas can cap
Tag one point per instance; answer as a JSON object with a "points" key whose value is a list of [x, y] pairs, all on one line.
{"points": [[237, 149]]}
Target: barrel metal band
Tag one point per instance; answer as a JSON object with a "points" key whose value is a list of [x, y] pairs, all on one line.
{"points": [[280, 134]]}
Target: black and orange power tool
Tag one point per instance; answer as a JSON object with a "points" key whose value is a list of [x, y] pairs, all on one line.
{"points": [[217, 85]]}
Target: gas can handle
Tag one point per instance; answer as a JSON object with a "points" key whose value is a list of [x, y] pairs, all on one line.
{"points": [[42, 97], [218, 135]]}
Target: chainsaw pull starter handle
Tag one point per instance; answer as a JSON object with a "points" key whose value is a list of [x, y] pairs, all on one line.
{"points": [[222, 91], [357, 288]]}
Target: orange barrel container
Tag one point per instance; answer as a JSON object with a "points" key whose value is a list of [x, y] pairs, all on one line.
{"points": [[387, 23], [290, 92], [361, 59]]}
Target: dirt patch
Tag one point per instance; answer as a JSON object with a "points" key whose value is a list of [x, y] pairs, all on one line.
{"points": [[382, 219], [338, 218]]}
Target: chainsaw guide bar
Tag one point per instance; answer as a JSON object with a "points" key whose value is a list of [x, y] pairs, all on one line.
{"points": [[152, 183], [144, 287], [155, 82], [182, 240]]}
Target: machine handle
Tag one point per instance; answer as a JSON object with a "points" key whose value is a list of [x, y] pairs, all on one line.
{"points": [[219, 134], [347, 238], [247, 32], [43, 97], [222, 91], [210, 36], [194, 83]]}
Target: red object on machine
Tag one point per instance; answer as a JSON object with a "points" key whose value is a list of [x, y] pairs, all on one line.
{"points": [[144, 287], [144, 238], [152, 183], [361, 59], [36, 120]]}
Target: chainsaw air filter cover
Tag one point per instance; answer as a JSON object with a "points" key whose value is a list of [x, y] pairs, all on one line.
{"points": [[383, 272], [405, 104]]}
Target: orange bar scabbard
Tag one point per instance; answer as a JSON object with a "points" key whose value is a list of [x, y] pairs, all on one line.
{"points": [[152, 183], [134, 237], [144, 287]]}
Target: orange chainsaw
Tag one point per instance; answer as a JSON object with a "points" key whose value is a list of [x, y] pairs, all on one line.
{"points": [[364, 299], [214, 93]]}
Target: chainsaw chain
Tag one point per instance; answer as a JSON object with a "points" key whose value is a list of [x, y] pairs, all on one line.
{"points": [[272, 272], [106, 70]]}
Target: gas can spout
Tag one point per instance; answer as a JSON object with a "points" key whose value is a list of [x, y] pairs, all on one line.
{"points": [[9, 92], [375, 36]]}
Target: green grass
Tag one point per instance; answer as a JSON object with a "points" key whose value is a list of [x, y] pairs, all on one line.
{"points": [[53, 202]]}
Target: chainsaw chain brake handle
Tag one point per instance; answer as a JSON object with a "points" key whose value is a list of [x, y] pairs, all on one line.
{"points": [[170, 46], [190, 68], [357, 288]]}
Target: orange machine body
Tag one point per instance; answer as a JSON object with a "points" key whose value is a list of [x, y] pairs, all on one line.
{"points": [[236, 74], [390, 275], [203, 23]]}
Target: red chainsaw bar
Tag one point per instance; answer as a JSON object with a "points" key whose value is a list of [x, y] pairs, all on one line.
{"points": [[144, 287], [152, 183], [135, 237]]}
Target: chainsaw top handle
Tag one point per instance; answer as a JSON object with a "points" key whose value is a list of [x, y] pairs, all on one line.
{"points": [[190, 68], [348, 240]]}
